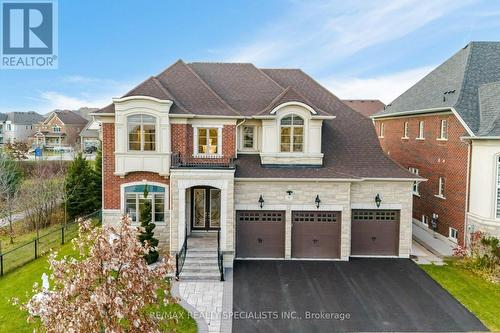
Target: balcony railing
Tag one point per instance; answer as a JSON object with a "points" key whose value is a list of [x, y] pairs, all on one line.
{"points": [[206, 162]]}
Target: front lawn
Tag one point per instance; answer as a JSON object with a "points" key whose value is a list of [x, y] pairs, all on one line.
{"points": [[478, 295], [20, 281]]}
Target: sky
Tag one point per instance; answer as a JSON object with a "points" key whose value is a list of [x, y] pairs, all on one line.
{"points": [[366, 49]]}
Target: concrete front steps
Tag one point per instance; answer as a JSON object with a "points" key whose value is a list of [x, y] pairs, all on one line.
{"points": [[201, 258]]}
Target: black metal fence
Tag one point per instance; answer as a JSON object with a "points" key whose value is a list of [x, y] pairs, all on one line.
{"points": [[29, 251]]}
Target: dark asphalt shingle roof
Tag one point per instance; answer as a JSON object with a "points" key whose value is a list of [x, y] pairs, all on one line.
{"points": [[366, 107], [22, 118], [349, 142], [68, 117], [455, 83]]}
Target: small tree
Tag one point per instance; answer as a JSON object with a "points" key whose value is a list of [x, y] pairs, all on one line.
{"points": [[10, 181], [80, 197], [97, 183], [146, 235], [107, 288]]}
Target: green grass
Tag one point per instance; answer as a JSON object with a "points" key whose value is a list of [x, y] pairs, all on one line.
{"points": [[20, 281], [478, 295]]}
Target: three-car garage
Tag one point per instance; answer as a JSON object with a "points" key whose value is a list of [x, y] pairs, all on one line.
{"points": [[315, 234]]}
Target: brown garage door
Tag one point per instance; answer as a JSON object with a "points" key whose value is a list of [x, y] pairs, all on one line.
{"points": [[260, 234], [375, 232], [316, 234]]}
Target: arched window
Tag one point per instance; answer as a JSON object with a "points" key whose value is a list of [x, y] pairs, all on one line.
{"points": [[141, 132], [292, 134]]}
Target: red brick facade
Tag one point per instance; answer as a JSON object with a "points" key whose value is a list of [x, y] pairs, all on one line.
{"points": [[434, 158], [111, 183]]}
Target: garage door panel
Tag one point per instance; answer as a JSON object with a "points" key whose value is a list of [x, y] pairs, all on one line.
{"points": [[316, 234], [260, 234], [375, 232]]}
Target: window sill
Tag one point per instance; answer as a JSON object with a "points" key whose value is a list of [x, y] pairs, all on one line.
{"points": [[416, 194], [405, 138], [208, 156], [441, 139], [420, 139], [380, 137], [439, 196]]}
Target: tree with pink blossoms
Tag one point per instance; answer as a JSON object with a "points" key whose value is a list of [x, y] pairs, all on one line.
{"points": [[108, 287]]}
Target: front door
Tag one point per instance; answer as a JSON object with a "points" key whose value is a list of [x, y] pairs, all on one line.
{"points": [[205, 208]]}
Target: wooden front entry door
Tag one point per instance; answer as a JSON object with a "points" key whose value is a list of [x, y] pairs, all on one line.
{"points": [[205, 213]]}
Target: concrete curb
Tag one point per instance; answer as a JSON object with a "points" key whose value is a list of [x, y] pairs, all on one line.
{"points": [[202, 326]]}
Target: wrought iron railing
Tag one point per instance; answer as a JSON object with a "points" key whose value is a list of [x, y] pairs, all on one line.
{"points": [[220, 257], [202, 162], [180, 257]]}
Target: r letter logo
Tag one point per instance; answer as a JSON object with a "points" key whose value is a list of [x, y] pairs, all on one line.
{"points": [[29, 34]]}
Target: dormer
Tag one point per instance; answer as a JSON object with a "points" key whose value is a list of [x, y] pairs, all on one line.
{"points": [[291, 131], [142, 135]]}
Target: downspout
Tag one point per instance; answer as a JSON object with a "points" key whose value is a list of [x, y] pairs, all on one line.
{"points": [[467, 196], [236, 138]]}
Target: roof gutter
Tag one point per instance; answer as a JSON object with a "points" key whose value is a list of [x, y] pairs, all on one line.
{"points": [[328, 179], [423, 111], [465, 138]]}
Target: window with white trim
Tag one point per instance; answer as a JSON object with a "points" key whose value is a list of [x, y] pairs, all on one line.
{"points": [[56, 129], [207, 140], [292, 134], [443, 130], [248, 137], [421, 130], [453, 234], [134, 201], [405, 130], [441, 184], [141, 132], [381, 130], [415, 183], [425, 220]]}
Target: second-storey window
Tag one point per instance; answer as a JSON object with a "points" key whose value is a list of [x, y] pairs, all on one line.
{"points": [[56, 129], [441, 187], [443, 130], [141, 132], [292, 134], [415, 183], [248, 137], [421, 130], [405, 130], [208, 140]]}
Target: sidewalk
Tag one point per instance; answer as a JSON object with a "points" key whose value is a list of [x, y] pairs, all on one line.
{"points": [[435, 243]]}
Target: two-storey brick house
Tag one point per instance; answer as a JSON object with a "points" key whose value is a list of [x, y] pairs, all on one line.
{"points": [[60, 128], [267, 157], [445, 128]]}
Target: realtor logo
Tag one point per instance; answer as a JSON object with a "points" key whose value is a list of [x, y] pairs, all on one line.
{"points": [[29, 34]]}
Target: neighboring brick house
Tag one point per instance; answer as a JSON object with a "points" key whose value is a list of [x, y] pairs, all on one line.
{"points": [[18, 126], [446, 128], [268, 158], [366, 107], [59, 129]]}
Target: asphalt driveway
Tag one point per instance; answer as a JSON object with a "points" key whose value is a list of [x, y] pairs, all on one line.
{"points": [[360, 295]]}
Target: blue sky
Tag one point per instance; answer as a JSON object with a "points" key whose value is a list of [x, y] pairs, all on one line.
{"points": [[357, 49]]}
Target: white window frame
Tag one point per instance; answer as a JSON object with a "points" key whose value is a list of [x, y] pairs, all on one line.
{"points": [[443, 130], [56, 129], [292, 133], [452, 231], [441, 189], [421, 130], [242, 141], [381, 130], [165, 199], [219, 141], [415, 183], [405, 130], [142, 132], [425, 220]]}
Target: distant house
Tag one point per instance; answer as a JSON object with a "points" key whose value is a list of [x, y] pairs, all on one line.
{"points": [[366, 107], [89, 137], [18, 126], [446, 128], [59, 129]]}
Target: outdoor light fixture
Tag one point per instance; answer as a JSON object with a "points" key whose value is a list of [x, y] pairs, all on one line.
{"points": [[289, 192], [317, 201], [261, 201], [378, 201]]}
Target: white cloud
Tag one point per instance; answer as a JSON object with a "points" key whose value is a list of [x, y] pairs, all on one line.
{"points": [[384, 87], [317, 34], [51, 100]]}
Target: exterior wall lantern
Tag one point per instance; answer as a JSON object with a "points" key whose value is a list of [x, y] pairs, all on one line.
{"points": [[290, 192], [317, 201], [378, 200], [261, 201]]}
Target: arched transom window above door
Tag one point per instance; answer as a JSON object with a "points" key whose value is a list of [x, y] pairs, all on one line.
{"points": [[292, 134]]}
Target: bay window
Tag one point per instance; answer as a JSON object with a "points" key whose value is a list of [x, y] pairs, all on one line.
{"points": [[141, 132], [134, 202], [292, 134]]}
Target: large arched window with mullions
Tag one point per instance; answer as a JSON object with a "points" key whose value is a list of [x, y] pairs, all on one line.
{"points": [[141, 132], [292, 134]]}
